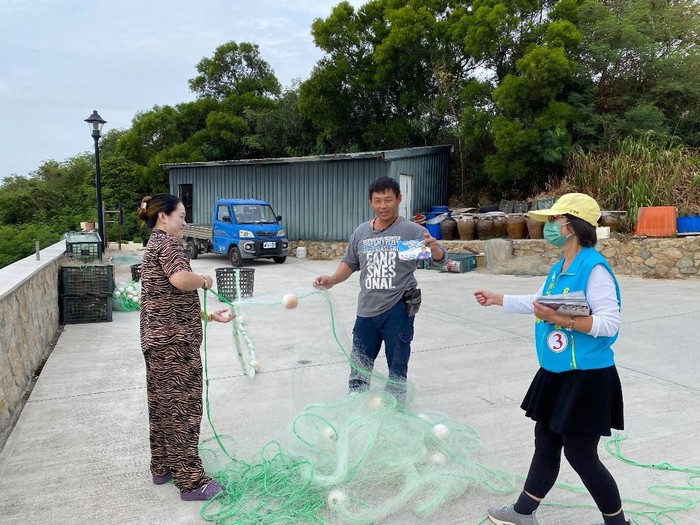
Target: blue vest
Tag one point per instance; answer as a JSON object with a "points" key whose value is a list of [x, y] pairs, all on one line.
{"points": [[558, 349]]}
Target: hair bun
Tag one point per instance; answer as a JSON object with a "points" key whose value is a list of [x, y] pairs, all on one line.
{"points": [[141, 211]]}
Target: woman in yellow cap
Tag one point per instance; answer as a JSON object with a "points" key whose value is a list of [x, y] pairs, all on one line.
{"points": [[576, 396]]}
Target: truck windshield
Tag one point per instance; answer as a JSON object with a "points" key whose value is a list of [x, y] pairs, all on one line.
{"points": [[254, 214]]}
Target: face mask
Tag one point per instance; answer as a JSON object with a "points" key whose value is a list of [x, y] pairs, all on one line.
{"points": [[552, 234]]}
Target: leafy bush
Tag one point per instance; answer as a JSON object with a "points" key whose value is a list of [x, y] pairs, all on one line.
{"points": [[18, 242], [636, 172]]}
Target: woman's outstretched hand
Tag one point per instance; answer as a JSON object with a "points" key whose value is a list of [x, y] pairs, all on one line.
{"points": [[486, 298], [222, 316]]}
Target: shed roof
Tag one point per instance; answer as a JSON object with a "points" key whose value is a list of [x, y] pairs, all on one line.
{"points": [[385, 155]]}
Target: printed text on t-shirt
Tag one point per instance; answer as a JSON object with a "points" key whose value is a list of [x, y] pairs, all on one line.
{"points": [[381, 255]]}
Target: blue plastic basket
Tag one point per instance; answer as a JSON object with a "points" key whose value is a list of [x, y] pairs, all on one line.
{"points": [[688, 224]]}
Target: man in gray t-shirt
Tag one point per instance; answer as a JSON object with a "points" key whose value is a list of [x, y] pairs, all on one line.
{"points": [[381, 250]]}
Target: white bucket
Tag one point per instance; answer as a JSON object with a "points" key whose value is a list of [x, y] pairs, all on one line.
{"points": [[301, 252]]}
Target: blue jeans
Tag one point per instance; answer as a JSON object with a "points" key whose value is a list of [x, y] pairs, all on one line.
{"points": [[395, 328]]}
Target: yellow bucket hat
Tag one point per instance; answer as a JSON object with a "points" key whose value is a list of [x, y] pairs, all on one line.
{"points": [[577, 204]]}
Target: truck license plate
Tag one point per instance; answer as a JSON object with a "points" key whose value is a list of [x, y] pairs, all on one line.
{"points": [[267, 245]]}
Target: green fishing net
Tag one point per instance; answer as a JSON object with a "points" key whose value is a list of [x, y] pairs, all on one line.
{"points": [[337, 458], [126, 296]]}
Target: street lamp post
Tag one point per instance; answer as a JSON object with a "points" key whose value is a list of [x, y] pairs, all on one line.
{"points": [[96, 122]]}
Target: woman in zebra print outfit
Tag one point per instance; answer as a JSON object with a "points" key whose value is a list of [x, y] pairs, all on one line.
{"points": [[171, 334]]}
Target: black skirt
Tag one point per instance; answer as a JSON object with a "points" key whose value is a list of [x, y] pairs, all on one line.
{"points": [[576, 402]]}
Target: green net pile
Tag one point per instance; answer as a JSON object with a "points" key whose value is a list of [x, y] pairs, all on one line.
{"points": [[126, 296], [358, 459], [316, 455]]}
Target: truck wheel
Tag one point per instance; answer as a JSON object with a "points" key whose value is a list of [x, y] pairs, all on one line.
{"points": [[235, 255], [192, 250], [279, 260]]}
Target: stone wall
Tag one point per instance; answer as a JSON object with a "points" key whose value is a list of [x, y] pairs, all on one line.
{"points": [[659, 258], [29, 326], [677, 257], [320, 250]]}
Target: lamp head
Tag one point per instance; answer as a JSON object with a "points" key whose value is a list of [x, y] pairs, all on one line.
{"points": [[95, 122]]}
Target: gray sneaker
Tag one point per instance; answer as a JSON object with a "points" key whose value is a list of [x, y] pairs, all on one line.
{"points": [[507, 516]]}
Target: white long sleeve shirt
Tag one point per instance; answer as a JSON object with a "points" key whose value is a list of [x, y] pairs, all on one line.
{"points": [[601, 296]]}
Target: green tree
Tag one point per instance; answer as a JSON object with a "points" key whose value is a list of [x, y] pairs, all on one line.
{"points": [[17, 242], [234, 69], [378, 85], [152, 132], [229, 130], [160, 135], [232, 85], [532, 129], [643, 60], [518, 115], [497, 33], [41, 207], [281, 130], [26, 199], [70, 180], [122, 183]]}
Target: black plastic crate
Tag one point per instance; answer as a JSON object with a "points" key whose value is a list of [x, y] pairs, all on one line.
{"points": [[520, 207], [226, 282], [87, 280], [85, 309], [86, 247], [506, 206]]}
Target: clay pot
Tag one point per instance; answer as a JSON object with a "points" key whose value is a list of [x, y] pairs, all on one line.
{"points": [[485, 228], [466, 227], [534, 228], [610, 220], [516, 226], [449, 229], [499, 226]]}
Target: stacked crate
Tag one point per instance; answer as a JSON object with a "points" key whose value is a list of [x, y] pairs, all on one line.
{"points": [[86, 294], [84, 246]]}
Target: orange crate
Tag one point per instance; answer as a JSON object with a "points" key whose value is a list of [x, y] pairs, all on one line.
{"points": [[657, 221]]}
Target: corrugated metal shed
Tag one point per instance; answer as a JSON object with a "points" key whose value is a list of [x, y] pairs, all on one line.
{"points": [[321, 198]]}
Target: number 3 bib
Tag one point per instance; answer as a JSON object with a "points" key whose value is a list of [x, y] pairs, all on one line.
{"points": [[557, 341]]}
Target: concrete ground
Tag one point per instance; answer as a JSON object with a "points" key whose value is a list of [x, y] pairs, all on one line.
{"points": [[79, 452]]}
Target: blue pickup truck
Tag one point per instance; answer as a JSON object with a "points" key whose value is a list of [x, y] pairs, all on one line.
{"points": [[241, 229]]}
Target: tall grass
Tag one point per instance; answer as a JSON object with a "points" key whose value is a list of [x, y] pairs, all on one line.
{"points": [[636, 172]]}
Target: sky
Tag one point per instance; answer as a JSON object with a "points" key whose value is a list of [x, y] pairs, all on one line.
{"points": [[62, 59]]}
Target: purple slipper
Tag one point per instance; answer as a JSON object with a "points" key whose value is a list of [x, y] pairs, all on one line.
{"points": [[203, 493], [160, 480]]}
